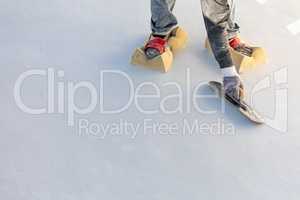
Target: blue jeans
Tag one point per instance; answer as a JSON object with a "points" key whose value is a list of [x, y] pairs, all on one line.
{"points": [[219, 19]]}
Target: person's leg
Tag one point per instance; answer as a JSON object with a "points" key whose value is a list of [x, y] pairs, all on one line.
{"points": [[163, 20], [233, 30], [217, 14], [232, 27]]}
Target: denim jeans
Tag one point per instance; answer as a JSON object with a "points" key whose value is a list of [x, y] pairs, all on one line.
{"points": [[219, 19]]}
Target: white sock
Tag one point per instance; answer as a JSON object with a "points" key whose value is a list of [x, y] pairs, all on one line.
{"points": [[229, 71]]}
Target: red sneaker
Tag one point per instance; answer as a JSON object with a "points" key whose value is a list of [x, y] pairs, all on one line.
{"points": [[240, 46], [155, 47]]}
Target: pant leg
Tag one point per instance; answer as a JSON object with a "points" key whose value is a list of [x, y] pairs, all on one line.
{"points": [[216, 16], [233, 28], [162, 20]]}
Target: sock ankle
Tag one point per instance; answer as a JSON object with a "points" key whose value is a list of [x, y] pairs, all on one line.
{"points": [[229, 71]]}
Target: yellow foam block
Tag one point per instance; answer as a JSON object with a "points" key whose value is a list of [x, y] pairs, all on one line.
{"points": [[162, 62], [176, 42], [243, 62]]}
